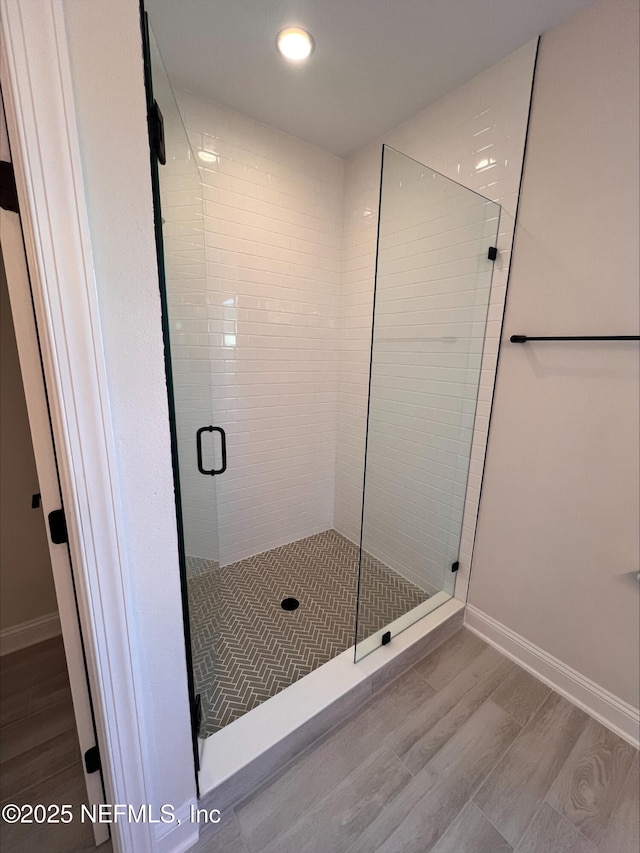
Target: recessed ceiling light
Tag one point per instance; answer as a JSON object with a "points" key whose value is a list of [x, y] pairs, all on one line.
{"points": [[295, 44]]}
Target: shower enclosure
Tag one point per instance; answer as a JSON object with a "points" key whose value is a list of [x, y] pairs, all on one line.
{"points": [[274, 585], [432, 287]]}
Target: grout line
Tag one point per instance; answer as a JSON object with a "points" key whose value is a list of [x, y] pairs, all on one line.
{"points": [[413, 775], [47, 709], [500, 758], [511, 745], [419, 674], [564, 819], [243, 839], [543, 798], [489, 821], [512, 671]]}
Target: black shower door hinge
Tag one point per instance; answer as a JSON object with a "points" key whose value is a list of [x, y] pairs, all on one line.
{"points": [[196, 714], [156, 133], [455, 566], [8, 189], [58, 527], [92, 760], [492, 254]]}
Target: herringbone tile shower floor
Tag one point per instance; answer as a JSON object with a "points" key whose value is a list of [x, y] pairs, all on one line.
{"points": [[246, 648]]}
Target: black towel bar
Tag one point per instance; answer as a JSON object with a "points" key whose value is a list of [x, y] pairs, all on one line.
{"points": [[522, 339]]}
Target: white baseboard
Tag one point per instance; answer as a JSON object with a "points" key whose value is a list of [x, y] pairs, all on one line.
{"points": [[612, 712], [29, 633]]}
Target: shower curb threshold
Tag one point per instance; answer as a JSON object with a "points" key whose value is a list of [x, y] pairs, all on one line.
{"points": [[243, 755]]}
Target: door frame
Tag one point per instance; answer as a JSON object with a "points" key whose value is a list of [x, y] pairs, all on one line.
{"points": [[38, 97], [51, 499]]}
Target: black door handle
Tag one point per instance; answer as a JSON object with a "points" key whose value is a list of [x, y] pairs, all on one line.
{"points": [[223, 443]]}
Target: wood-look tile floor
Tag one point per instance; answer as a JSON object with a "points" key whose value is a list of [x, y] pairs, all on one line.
{"points": [[39, 751], [464, 753]]}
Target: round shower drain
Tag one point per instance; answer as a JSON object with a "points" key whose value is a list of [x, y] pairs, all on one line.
{"points": [[289, 604]]}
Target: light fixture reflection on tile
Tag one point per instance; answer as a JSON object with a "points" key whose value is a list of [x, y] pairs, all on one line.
{"points": [[208, 156], [486, 163]]}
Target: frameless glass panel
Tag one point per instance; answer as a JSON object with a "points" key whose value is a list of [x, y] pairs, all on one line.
{"points": [[433, 279], [199, 441]]}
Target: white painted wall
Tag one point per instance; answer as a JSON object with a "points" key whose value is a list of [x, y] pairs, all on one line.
{"points": [[557, 544], [475, 135], [267, 328]]}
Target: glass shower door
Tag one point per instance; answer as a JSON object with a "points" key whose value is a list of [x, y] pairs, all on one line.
{"points": [[433, 280], [199, 443]]}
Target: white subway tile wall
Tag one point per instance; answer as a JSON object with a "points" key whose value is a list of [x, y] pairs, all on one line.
{"points": [[273, 230], [185, 269], [289, 245], [474, 135]]}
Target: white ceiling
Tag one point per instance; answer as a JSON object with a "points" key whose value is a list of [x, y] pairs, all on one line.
{"points": [[376, 62]]}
